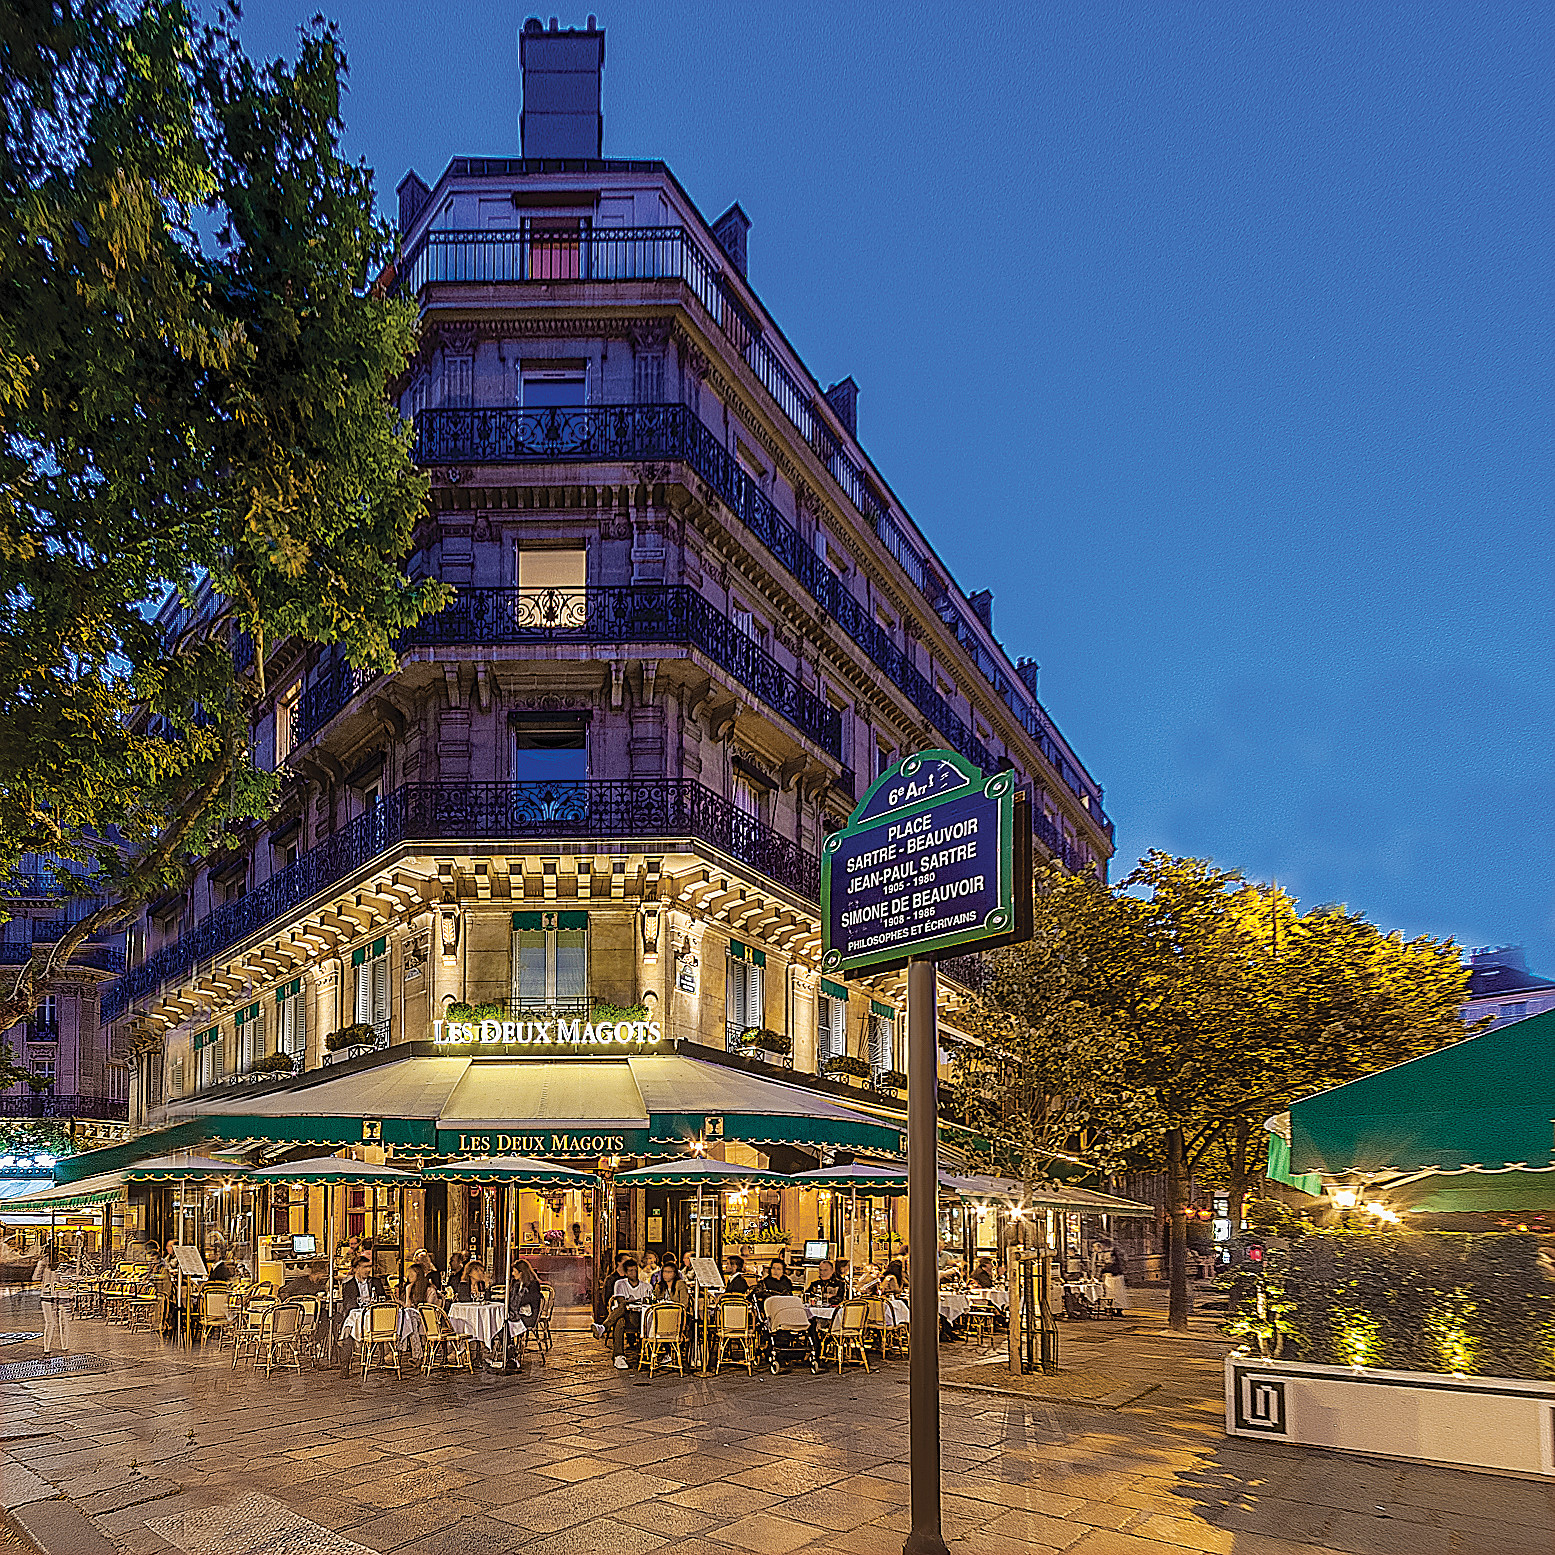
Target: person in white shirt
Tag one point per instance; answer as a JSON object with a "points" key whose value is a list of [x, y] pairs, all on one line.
{"points": [[630, 1288], [56, 1305]]}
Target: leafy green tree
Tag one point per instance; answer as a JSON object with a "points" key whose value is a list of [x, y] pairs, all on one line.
{"points": [[201, 415]]}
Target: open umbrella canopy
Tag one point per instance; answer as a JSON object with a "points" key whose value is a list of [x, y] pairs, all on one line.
{"points": [[520, 1170], [877, 1181], [194, 1168], [337, 1171], [695, 1170]]}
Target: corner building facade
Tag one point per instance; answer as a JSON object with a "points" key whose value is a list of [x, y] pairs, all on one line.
{"points": [[691, 624]]}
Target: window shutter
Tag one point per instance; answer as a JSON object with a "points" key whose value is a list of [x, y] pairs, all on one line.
{"points": [[380, 991]]}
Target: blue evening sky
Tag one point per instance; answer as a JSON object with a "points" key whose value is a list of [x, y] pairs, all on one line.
{"points": [[1215, 339]]}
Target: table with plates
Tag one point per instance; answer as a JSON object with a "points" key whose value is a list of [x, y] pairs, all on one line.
{"points": [[1094, 1291]]}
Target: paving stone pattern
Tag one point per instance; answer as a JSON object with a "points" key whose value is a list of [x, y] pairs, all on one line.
{"points": [[159, 1449]]}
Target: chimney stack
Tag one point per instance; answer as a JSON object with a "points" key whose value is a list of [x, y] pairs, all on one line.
{"points": [[1029, 670], [561, 115], [730, 229], [982, 606], [843, 398]]}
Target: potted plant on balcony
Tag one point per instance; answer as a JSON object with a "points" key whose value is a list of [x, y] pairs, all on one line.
{"points": [[844, 1066], [493, 1009], [358, 1034], [275, 1063], [767, 1041], [603, 1013]]}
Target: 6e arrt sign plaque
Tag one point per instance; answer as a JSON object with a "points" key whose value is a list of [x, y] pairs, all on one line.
{"points": [[936, 859]]}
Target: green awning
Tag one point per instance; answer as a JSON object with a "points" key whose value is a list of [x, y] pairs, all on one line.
{"points": [[1279, 1165], [338, 1172], [872, 1181], [1514, 1191], [87, 1193], [512, 1169], [698, 1172], [1487, 1102], [194, 1168]]}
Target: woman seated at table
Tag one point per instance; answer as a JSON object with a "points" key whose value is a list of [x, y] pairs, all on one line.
{"points": [[775, 1282], [889, 1283], [524, 1298], [475, 1284], [419, 1279], [668, 1284]]}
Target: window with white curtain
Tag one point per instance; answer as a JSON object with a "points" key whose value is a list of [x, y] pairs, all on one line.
{"points": [[550, 960]]}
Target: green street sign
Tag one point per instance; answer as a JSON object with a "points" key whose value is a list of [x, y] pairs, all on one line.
{"points": [[936, 860]]}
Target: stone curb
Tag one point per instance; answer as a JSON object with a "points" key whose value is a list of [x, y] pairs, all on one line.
{"points": [[59, 1528], [1119, 1398]]}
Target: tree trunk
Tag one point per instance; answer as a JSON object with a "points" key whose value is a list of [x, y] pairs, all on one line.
{"points": [[1239, 1150], [1179, 1304]]}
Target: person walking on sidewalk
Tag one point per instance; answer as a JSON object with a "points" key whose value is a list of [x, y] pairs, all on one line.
{"points": [[56, 1305]]}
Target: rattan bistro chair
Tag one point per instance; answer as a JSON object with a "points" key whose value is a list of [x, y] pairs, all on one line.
{"points": [[248, 1333], [846, 1336], [663, 1327], [447, 1349], [731, 1326], [543, 1340], [215, 1315], [381, 1338], [281, 1336]]}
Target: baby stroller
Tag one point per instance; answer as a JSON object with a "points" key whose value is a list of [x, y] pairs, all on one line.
{"points": [[783, 1331]]}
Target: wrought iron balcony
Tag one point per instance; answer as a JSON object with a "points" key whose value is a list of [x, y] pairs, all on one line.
{"points": [[532, 253], [44, 1104], [639, 613], [664, 810], [101, 958], [654, 433]]}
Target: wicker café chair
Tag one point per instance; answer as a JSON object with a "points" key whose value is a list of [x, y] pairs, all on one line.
{"points": [[980, 1321], [280, 1330], [447, 1349], [847, 1334], [248, 1340], [146, 1309], [308, 1328], [663, 1327], [381, 1338], [215, 1315], [732, 1326], [543, 1338]]}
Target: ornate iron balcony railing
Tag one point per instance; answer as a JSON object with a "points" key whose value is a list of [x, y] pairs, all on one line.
{"points": [[647, 433], [638, 613], [652, 809], [44, 1104], [538, 252]]}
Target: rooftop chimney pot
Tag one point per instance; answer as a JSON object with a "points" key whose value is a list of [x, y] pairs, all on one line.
{"points": [[561, 115], [982, 606], [843, 398], [731, 230]]}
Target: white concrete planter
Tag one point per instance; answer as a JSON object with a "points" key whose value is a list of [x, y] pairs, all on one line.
{"points": [[1475, 1422]]}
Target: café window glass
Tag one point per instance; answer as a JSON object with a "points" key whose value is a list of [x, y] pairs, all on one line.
{"points": [[550, 961]]}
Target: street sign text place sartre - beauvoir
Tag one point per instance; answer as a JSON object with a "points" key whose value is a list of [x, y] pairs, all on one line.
{"points": [[928, 864]]}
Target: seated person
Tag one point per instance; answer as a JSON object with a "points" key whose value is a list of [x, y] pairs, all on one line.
{"points": [[476, 1284], [524, 1298], [828, 1287], [361, 1290], [418, 1279], [889, 1283], [734, 1275], [307, 1281], [631, 1289], [668, 1284], [775, 1282], [982, 1275]]}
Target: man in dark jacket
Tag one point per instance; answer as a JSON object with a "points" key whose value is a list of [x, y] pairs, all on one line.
{"points": [[361, 1290]]}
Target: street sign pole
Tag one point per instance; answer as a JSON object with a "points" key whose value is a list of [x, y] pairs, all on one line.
{"points": [[926, 1537]]}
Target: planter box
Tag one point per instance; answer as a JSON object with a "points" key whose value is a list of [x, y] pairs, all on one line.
{"points": [[1472, 1422]]}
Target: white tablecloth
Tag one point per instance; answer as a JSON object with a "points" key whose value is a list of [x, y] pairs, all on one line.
{"points": [[954, 1304], [1092, 1290], [481, 1320], [405, 1324], [895, 1312]]}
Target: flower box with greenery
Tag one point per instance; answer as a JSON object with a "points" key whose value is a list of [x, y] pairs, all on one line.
{"points": [[845, 1065], [274, 1064], [491, 1010], [603, 1013], [767, 1041], [891, 1080], [1418, 1344], [359, 1034]]}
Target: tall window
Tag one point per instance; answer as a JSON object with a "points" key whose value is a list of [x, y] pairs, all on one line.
{"points": [[747, 797], [831, 1021], [883, 1053], [545, 389], [251, 1036], [209, 1058], [648, 373], [372, 986], [555, 248], [551, 588], [44, 1069], [744, 1004], [285, 716], [458, 381], [291, 1035], [46, 1019], [550, 750], [550, 960]]}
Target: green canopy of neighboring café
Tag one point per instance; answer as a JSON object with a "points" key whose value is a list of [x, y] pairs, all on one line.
{"points": [[1465, 1128], [517, 1170]]}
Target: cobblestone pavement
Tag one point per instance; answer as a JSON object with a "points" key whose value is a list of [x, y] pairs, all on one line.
{"points": [[162, 1450]]}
